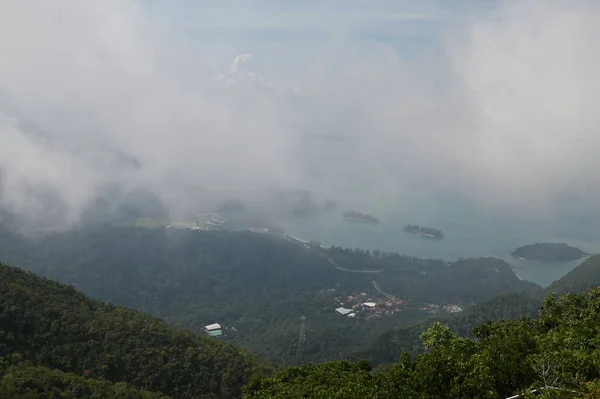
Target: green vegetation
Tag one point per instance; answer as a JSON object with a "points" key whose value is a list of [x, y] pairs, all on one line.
{"points": [[556, 354], [549, 252], [26, 381], [582, 278], [53, 336], [361, 217], [422, 231], [433, 280], [389, 345], [56, 342], [257, 285]]}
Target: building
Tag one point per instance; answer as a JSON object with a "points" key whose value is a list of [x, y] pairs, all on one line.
{"points": [[370, 304], [214, 330], [343, 311]]}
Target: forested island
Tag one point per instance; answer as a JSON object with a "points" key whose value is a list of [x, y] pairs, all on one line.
{"points": [[361, 217], [422, 231], [549, 252]]}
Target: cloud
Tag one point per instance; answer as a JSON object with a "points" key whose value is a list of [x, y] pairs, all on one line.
{"points": [[116, 92]]}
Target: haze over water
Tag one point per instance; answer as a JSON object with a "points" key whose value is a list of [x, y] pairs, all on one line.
{"points": [[464, 237]]}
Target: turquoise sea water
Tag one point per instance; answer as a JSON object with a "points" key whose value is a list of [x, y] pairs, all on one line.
{"points": [[464, 237]]}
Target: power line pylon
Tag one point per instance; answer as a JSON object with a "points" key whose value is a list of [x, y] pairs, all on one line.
{"points": [[302, 340]]}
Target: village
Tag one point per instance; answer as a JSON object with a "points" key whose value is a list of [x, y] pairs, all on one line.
{"points": [[361, 302]]}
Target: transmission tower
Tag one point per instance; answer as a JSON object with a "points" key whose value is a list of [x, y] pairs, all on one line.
{"points": [[302, 339]]}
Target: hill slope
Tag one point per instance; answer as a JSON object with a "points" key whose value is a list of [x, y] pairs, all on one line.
{"points": [[53, 326], [555, 355], [388, 346], [582, 278], [25, 381], [257, 285]]}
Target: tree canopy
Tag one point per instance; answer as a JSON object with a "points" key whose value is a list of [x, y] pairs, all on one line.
{"points": [[257, 285], [556, 354], [52, 326]]}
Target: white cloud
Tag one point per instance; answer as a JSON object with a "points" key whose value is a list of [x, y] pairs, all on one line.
{"points": [[505, 116]]}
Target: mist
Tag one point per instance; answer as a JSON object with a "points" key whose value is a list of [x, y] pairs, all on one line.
{"points": [[388, 108]]}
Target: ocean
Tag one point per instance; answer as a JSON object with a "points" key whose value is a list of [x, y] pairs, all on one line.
{"points": [[464, 237]]}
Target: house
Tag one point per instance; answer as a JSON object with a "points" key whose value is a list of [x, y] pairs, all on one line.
{"points": [[343, 311], [370, 304], [214, 330]]}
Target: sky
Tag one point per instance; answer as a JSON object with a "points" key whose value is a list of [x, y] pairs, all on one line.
{"points": [[381, 105]]}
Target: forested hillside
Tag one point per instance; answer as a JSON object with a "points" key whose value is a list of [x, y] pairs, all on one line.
{"points": [[387, 347], [53, 338], [258, 285], [555, 354], [56, 342], [582, 278], [26, 381], [434, 280]]}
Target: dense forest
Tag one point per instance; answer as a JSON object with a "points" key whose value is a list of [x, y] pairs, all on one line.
{"points": [[434, 280], [582, 278], [23, 380], [555, 355], [57, 343], [259, 285], [53, 338], [390, 344]]}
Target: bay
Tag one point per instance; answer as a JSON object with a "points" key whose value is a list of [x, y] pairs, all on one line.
{"points": [[464, 237]]}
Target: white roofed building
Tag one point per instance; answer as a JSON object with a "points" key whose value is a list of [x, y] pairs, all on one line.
{"points": [[343, 311], [210, 327], [214, 330]]}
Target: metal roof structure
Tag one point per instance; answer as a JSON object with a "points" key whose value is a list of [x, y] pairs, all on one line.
{"points": [[343, 311], [210, 327]]}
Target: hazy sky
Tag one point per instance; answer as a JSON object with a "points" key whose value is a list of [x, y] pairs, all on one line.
{"points": [[377, 104]]}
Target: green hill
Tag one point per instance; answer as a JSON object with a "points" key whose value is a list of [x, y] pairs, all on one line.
{"points": [[26, 381], [66, 336], [554, 355], [388, 346], [582, 278], [258, 285], [58, 343]]}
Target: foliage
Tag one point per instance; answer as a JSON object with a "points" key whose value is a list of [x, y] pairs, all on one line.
{"points": [[390, 344], [58, 343], [434, 280], [256, 285], [25, 381], [556, 354], [582, 278], [54, 326]]}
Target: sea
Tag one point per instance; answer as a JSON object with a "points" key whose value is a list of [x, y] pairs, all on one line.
{"points": [[464, 237]]}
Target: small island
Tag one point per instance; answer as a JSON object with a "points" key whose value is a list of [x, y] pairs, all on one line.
{"points": [[422, 231], [361, 217], [553, 252]]}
